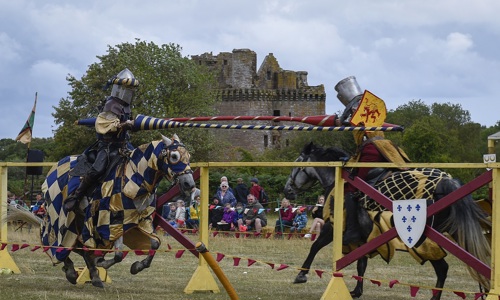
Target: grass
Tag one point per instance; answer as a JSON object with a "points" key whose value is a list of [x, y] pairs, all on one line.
{"points": [[168, 276]]}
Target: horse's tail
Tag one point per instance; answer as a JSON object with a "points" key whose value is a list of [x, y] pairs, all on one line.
{"points": [[18, 213], [467, 224]]}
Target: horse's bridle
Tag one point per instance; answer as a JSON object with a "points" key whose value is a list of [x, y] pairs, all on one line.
{"points": [[294, 174]]}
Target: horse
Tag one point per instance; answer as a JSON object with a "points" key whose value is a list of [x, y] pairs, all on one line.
{"points": [[119, 211], [464, 221]]}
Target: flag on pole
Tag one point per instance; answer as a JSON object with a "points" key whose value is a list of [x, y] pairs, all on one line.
{"points": [[27, 131]]}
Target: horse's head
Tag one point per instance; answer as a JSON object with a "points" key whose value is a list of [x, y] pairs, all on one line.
{"points": [[176, 158], [303, 178]]}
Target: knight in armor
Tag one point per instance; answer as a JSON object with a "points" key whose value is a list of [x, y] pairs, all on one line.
{"points": [[371, 146], [112, 126]]}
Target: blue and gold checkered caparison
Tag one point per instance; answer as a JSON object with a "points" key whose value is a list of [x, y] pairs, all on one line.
{"points": [[112, 211]]}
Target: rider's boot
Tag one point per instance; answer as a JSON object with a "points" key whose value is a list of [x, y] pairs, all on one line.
{"points": [[72, 201], [352, 233]]}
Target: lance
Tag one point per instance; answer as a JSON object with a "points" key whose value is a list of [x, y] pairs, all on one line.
{"points": [[150, 123], [318, 120]]}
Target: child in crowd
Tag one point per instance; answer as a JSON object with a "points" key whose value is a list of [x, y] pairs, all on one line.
{"points": [[300, 220], [180, 214], [238, 214], [227, 218]]}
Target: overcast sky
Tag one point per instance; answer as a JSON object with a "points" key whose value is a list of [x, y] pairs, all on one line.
{"points": [[436, 51]]}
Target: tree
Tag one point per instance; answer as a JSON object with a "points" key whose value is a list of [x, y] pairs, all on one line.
{"points": [[170, 86]]}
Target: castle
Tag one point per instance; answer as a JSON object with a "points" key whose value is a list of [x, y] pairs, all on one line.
{"points": [[270, 91]]}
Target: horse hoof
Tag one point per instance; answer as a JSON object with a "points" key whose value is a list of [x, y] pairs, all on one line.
{"points": [[136, 268], [98, 283], [71, 275], [355, 294], [300, 279]]}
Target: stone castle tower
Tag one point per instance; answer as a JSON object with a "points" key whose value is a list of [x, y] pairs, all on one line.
{"points": [[269, 91]]}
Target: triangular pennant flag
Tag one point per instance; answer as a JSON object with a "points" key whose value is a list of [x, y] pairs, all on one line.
{"points": [[261, 210], [45, 249], [24, 246], [271, 265], [256, 234], [179, 253], [60, 249], [3, 246], [338, 274], [414, 290], [435, 292], [151, 252], [99, 253], [194, 231], [289, 237], [247, 235], [35, 248], [460, 294], [140, 252], [220, 256], [237, 235], [216, 233], [281, 267], [319, 273], [478, 295], [125, 253], [236, 261], [268, 235], [313, 237], [375, 282], [251, 262], [85, 248], [15, 247], [392, 283], [27, 131], [169, 247], [358, 278]]}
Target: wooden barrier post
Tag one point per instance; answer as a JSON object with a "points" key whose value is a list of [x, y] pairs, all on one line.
{"points": [[6, 260], [337, 288], [495, 237], [202, 279]]}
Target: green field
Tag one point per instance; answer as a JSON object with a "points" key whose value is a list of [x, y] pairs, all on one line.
{"points": [[168, 276]]}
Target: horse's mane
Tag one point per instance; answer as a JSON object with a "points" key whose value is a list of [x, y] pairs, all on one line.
{"points": [[324, 154]]}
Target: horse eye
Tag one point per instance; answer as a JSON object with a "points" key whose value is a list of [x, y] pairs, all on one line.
{"points": [[174, 157]]}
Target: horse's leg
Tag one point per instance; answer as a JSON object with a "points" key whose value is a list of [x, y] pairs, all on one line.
{"points": [[91, 266], [441, 269], [69, 270], [361, 268], [325, 238], [145, 263], [117, 258]]}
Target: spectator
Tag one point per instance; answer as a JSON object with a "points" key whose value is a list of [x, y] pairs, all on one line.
{"points": [[227, 218], [40, 212], [300, 220], [254, 216], [224, 179], [180, 214], [238, 214], [225, 196], [39, 199], [241, 191], [169, 215], [255, 188], [285, 216], [317, 215], [195, 192], [215, 212], [192, 221]]}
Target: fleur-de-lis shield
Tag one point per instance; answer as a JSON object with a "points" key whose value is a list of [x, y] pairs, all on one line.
{"points": [[410, 217]]}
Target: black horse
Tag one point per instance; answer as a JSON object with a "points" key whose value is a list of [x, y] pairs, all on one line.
{"points": [[463, 221]]}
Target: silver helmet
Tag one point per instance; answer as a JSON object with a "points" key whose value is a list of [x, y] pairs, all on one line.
{"points": [[350, 94], [347, 89], [124, 85]]}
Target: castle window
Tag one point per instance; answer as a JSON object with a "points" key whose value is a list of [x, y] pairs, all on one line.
{"points": [[289, 113], [225, 62], [276, 113], [199, 62], [266, 141], [268, 75]]}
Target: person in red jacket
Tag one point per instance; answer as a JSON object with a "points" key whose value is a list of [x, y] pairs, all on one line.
{"points": [[286, 216], [255, 189]]}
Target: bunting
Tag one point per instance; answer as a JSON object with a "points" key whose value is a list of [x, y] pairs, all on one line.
{"points": [[26, 133]]}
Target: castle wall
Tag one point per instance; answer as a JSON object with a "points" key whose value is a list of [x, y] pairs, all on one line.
{"points": [[270, 91]]}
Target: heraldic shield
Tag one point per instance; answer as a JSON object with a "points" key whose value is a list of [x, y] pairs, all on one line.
{"points": [[410, 217]]}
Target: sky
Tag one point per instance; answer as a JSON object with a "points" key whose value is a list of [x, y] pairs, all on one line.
{"points": [[435, 51]]}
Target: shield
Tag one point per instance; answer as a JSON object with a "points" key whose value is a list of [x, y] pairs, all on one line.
{"points": [[409, 219], [371, 111]]}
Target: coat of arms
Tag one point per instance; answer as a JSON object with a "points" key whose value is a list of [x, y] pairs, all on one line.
{"points": [[410, 217]]}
